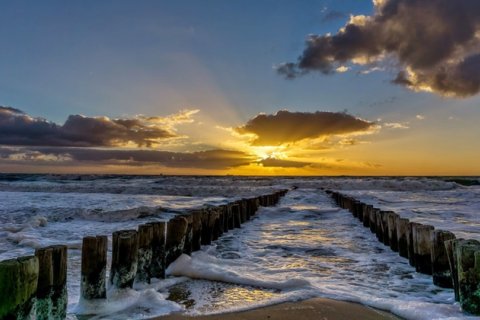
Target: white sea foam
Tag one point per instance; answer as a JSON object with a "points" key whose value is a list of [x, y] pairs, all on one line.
{"points": [[204, 266]]}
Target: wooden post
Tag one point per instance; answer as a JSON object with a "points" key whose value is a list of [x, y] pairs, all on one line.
{"points": [[188, 246], [145, 253], [215, 222], [468, 259], [366, 216], [45, 283], [94, 268], [207, 231], [243, 210], [18, 287], [373, 219], [59, 293], [237, 221], [197, 230], [411, 230], [386, 237], [442, 275], [423, 245], [392, 231], [157, 267], [402, 235], [451, 247], [124, 258], [379, 225], [231, 222], [221, 220], [176, 233]]}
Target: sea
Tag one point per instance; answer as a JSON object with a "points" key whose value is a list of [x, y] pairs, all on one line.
{"points": [[303, 247]]}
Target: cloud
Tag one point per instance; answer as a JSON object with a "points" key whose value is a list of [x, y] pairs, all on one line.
{"points": [[285, 126], [397, 125], [19, 129], [333, 15], [435, 45], [210, 159], [281, 163], [420, 117]]}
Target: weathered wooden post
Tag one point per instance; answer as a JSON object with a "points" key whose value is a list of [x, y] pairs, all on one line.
{"points": [[176, 233], [392, 231], [372, 219], [59, 293], [18, 287], [402, 235], [145, 253], [45, 283], [188, 246], [411, 231], [379, 225], [442, 275], [236, 215], [94, 268], [451, 247], [366, 216], [197, 230], [231, 220], [243, 210], [52, 282], [386, 236], [124, 258], [468, 258], [215, 222], [221, 220], [224, 209], [207, 230], [423, 245], [157, 267]]}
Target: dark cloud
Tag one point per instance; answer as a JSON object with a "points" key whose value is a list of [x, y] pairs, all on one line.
{"points": [[210, 159], [286, 126], [20, 129], [280, 163], [435, 43]]}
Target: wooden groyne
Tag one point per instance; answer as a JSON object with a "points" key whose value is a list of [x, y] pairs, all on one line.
{"points": [[453, 263], [35, 287]]}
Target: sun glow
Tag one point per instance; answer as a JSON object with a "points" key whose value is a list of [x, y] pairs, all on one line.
{"points": [[269, 152]]}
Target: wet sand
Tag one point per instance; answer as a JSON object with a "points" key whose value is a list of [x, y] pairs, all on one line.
{"points": [[313, 309]]}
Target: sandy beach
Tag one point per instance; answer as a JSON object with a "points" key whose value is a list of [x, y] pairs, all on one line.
{"points": [[318, 309]]}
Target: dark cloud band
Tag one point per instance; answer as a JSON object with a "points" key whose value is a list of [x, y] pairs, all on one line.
{"points": [[20, 129], [285, 126]]}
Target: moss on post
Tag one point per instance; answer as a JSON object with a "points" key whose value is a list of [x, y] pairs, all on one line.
{"points": [[18, 286], [468, 264]]}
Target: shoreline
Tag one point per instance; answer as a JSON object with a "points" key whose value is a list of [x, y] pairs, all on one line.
{"points": [[316, 308]]}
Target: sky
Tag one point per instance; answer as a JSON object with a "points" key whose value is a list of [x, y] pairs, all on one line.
{"points": [[269, 87]]}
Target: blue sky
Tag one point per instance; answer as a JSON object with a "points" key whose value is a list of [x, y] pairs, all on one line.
{"points": [[117, 57]]}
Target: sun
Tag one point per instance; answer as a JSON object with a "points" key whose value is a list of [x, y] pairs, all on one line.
{"points": [[269, 152]]}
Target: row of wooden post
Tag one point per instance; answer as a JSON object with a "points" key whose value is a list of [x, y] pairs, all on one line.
{"points": [[142, 254], [36, 286], [453, 263]]}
